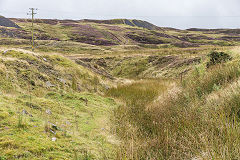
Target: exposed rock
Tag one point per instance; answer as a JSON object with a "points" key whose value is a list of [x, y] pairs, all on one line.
{"points": [[106, 86], [49, 84], [68, 123], [33, 106], [24, 112], [48, 111], [5, 51], [53, 132], [62, 80], [54, 139], [53, 126]]}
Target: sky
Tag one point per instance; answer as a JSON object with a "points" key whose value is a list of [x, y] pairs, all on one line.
{"points": [[180, 14]]}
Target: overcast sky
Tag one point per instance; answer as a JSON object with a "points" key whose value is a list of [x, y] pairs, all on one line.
{"points": [[167, 13]]}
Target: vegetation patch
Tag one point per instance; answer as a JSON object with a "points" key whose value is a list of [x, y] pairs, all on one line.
{"points": [[180, 123], [218, 58]]}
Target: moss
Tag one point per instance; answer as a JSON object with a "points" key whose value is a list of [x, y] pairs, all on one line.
{"points": [[59, 60], [20, 55]]}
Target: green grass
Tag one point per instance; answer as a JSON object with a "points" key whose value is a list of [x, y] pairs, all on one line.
{"points": [[80, 130], [19, 55], [82, 118]]}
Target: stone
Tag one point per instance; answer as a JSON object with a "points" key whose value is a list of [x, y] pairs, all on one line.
{"points": [[48, 111], [53, 132], [68, 123], [49, 84], [5, 51], [24, 112], [106, 86], [54, 139], [62, 80], [53, 126]]}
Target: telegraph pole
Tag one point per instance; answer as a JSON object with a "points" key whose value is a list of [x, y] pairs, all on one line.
{"points": [[32, 13]]}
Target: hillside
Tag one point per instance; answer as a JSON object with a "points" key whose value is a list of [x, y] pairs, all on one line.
{"points": [[51, 108], [133, 23], [119, 32], [118, 89], [7, 23]]}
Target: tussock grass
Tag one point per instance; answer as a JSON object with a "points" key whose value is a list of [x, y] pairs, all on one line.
{"points": [[202, 83], [182, 123]]}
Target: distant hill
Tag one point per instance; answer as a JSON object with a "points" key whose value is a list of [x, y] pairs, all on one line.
{"points": [[7, 23], [117, 32], [133, 23]]}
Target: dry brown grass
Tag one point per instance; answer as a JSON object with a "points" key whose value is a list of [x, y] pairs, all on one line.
{"points": [[182, 123]]}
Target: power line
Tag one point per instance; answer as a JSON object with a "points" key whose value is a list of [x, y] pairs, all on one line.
{"points": [[32, 13]]}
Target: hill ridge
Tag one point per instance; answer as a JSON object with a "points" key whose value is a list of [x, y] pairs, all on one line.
{"points": [[5, 22], [130, 22]]}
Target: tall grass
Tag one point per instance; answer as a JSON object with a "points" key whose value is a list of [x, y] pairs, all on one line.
{"points": [[182, 124]]}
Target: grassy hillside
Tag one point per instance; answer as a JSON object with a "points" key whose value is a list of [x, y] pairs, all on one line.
{"points": [[50, 110], [119, 32]]}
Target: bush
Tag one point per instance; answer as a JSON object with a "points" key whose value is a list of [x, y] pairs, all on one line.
{"points": [[217, 58]]}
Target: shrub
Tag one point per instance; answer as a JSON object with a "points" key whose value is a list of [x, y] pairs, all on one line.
{"points": [[217, 58]]}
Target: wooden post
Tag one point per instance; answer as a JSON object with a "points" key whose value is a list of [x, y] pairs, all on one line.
{"points": [[32, 13]]}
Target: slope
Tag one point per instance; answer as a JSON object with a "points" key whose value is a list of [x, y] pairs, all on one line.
{"points": [[50, 109], [7, 23]]}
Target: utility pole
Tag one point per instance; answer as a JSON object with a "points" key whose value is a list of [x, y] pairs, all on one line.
{"points": [[32, 13]]}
